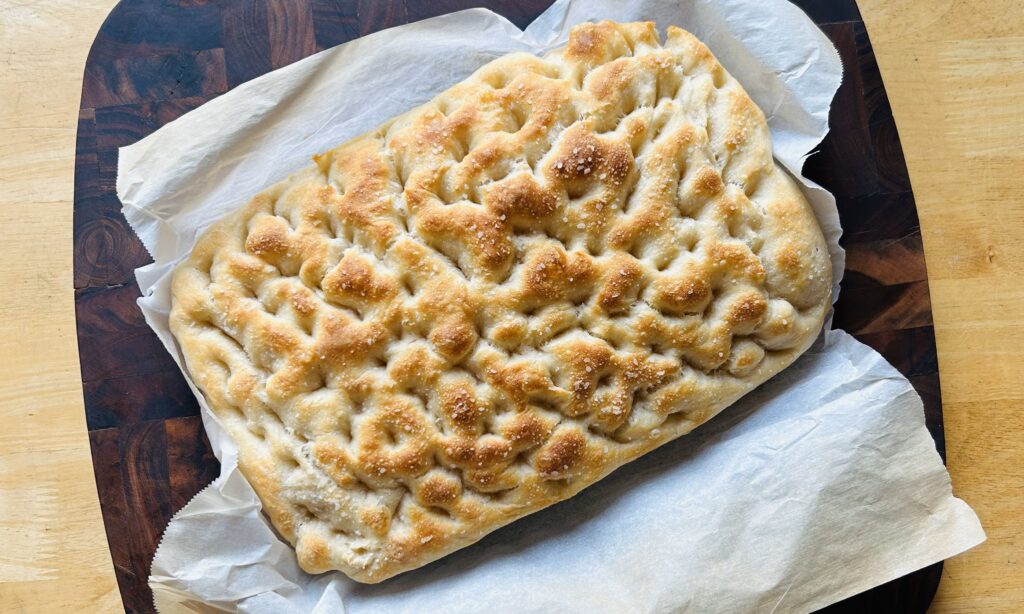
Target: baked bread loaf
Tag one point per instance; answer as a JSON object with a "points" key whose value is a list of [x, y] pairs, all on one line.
{"points": [[494, 300]]}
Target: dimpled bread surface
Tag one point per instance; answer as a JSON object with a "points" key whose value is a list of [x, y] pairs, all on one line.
{"points": [[494, 300]]}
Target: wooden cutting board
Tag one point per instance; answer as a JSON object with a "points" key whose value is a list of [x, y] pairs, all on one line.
{"points": [[154, 60]]}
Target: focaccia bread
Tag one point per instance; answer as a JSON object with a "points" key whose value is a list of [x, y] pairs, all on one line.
{"points": [[494, 300]]}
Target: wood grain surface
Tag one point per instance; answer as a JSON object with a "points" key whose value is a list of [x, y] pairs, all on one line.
{"points": [[955, 74], [53, 551], [150, 452], [953, 71]]}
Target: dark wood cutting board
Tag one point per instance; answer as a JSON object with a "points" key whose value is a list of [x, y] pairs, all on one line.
{"points": [[154, 60]]}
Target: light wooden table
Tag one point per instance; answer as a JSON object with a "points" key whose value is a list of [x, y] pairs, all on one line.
{"points": [[954, 71]]}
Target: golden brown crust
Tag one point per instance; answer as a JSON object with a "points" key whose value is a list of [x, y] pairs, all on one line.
{"points": [[496, 299]]}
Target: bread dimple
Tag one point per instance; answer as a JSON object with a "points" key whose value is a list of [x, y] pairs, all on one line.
{"points": [[497, 298]]}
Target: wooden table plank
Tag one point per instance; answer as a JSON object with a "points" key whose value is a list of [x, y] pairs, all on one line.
{"points": [[955, 76], [53, 553]]}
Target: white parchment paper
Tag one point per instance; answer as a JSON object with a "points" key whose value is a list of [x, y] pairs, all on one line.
{"points": [[820, 484]]}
